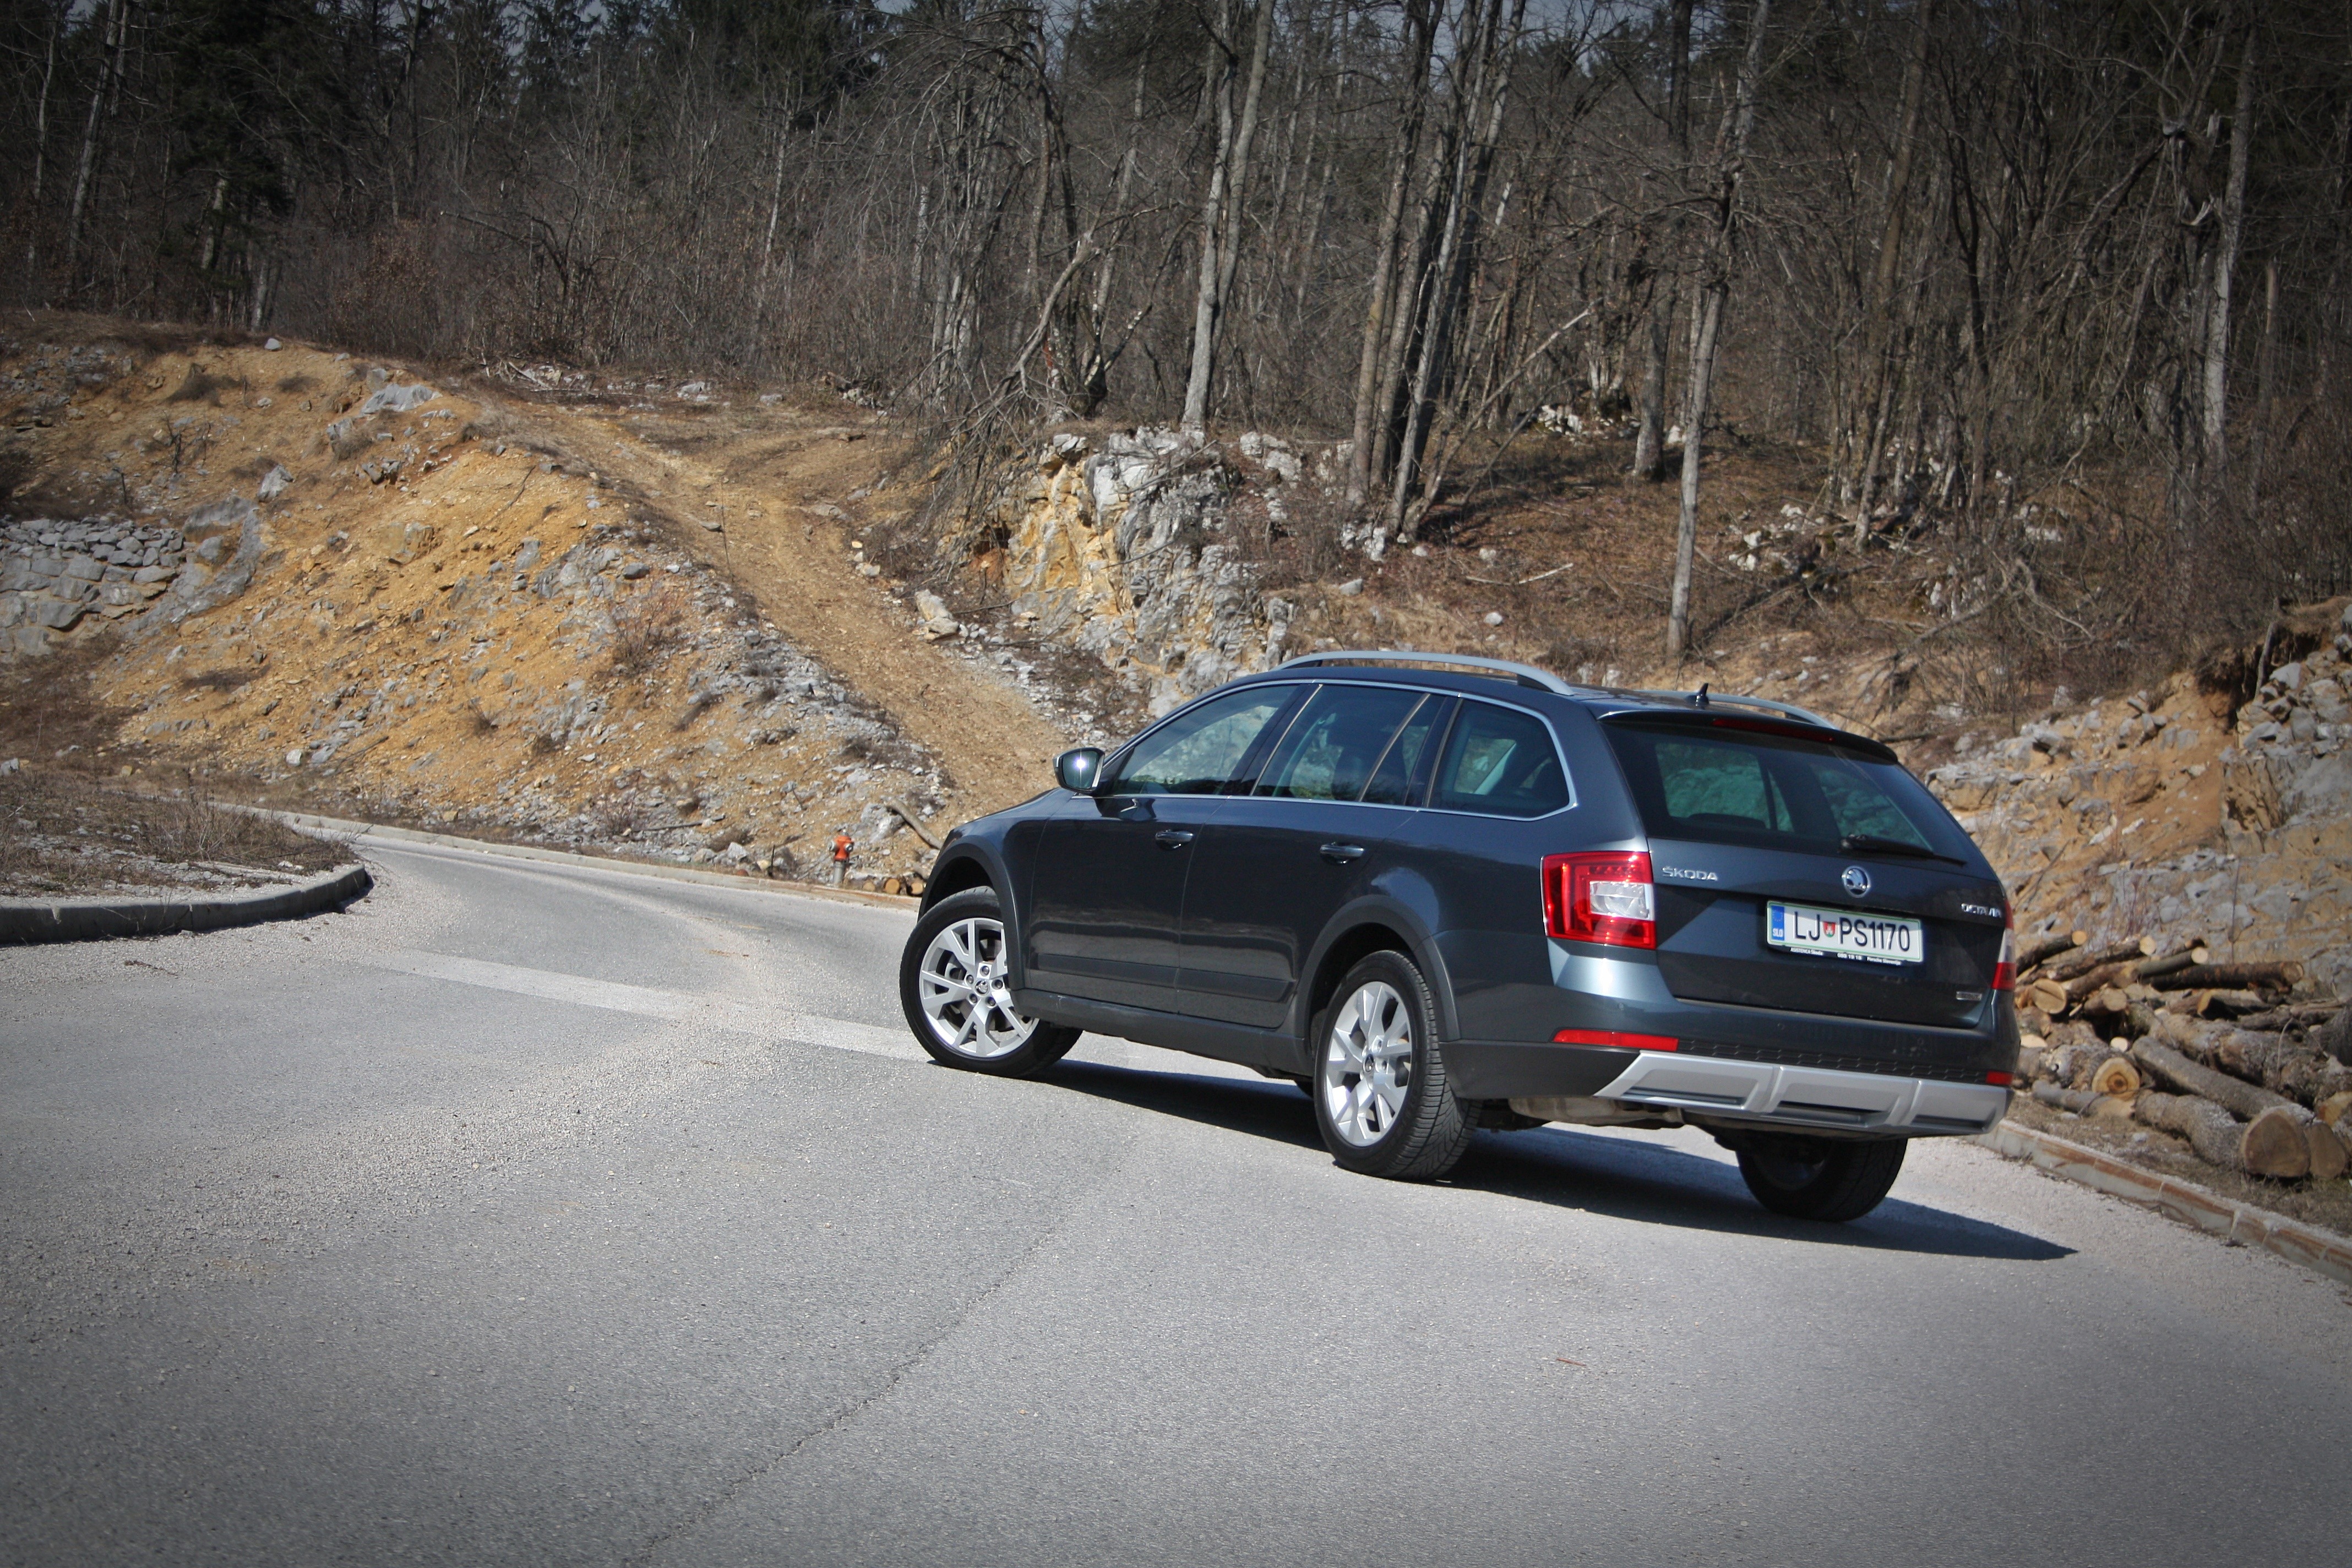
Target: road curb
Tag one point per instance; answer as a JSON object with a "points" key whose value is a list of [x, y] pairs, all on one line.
{"points": [[344, 827], [32, 920], [2185, 1201]]}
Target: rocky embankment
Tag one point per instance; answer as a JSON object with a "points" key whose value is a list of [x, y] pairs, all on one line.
{"points": [[2184, 870], [366, 594]]}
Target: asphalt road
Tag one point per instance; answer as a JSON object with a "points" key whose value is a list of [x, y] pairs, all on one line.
{"points": [[533, 1216]]}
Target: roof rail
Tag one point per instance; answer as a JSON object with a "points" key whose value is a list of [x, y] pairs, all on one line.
{"points": [[1706, 699], [1525, 674]]}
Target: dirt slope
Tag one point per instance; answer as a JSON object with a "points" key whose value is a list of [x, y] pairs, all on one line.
{"points": [[412, 597], [776, 482]]}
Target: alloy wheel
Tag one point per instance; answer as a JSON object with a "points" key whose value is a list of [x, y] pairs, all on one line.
{"points": [[1367, 1063], [966, 991]]}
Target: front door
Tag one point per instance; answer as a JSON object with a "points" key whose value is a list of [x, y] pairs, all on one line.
{"points": [[1110, 887], [1278, 863]]}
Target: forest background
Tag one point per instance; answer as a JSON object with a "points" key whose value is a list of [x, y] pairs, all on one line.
{"points": [[2060, 284]]}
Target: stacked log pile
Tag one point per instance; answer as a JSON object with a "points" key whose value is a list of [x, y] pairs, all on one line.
{"points": [[2235, 1059]]}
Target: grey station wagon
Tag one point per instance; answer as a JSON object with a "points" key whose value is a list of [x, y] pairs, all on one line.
{"points": [[1444, 893]]}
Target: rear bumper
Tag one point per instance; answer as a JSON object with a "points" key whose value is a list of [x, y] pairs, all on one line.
{"points": [[1815, 1099], [1715, 1088]]}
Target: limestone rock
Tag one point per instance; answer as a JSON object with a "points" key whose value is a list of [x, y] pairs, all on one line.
{"points": [[402, 543]]}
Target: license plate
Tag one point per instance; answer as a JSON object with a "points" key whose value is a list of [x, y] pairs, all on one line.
{"points": [[1841, 933]]}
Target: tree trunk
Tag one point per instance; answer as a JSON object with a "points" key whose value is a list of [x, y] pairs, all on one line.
{"points": [[1650, 438], [1487, 88], [41, 156], [2216, 377], [1219, 212], [1716, 289], [1879, 320], [768, 238], [85, 170], [1420, 31]]}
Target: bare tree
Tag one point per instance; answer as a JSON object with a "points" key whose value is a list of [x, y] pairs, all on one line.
{"points": [[1715, 292]]}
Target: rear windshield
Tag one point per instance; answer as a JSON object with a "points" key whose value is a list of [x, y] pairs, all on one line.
{"points": [[1721, 786]]}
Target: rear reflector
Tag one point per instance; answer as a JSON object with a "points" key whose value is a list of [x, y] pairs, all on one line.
{"points": [[1614, 1037], [1604, 898], [1999, 1079]]}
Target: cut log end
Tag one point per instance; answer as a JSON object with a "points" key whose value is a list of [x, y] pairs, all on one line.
{"points": [[2116, 1076], [2275, 1146]]}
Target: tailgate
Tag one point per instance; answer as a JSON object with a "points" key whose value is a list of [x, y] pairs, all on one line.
{"points": [[1743, 817], [1714, 935]]}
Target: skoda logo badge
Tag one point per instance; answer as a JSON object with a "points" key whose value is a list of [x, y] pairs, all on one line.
{"points": [[1855, 881]]}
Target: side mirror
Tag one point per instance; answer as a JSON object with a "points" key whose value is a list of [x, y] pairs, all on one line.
{"points": [[1079, 770]]}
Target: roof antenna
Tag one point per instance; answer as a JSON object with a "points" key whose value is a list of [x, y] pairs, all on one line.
{"points": [[1698, 698]]}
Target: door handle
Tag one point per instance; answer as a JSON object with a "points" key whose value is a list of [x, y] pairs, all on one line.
{"points": [[1171, 838], [1340, 853]]}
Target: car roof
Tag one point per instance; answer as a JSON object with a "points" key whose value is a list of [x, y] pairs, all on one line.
{"points": [[1474, 676]]}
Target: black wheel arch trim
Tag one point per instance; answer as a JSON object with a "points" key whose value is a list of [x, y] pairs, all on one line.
{"points": [[968, 863], [1376, 910]]}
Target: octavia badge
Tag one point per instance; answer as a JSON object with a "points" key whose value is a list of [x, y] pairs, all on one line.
{"points": [[1855, 881]]}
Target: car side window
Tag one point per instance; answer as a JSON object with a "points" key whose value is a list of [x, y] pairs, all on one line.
{"points": [[1408, 754], [1500, 762], [1337, 742], [1196, 751]]}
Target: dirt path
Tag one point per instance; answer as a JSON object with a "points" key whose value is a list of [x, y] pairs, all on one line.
{"points": [[777, 480]]}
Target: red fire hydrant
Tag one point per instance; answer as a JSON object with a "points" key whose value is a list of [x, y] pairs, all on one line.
{"points": [[842, 845]]}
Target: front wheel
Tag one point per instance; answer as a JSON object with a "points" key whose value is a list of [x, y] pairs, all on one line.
{"points": [[1822, 1178], [1382, 1100], [956, 987]]}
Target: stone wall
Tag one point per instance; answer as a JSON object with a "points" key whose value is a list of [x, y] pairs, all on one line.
{"points": [[59, 578]]}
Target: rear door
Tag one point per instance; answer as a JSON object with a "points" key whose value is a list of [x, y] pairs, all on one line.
{"points": [[1108, 888], [1800, 875], [1316, 829]]}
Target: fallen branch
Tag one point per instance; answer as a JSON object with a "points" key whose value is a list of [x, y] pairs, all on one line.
{"points": [[903, 815]]}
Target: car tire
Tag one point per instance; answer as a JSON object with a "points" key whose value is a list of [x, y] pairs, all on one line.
{"points": [[955, 988], [1828, 1179], [1383, 1100]]}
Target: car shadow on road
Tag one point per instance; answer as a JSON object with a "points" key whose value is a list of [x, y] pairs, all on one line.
{"points": [[1624, 1178], [1658, 1183]]}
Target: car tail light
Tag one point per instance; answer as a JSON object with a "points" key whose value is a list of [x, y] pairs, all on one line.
{"points": [[2004, 969], [2000, 1079], [1616, 1038], [1605, 898]]}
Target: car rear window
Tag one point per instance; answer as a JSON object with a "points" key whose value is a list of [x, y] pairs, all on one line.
{"points": [[1501, 761], [1722, 786]]}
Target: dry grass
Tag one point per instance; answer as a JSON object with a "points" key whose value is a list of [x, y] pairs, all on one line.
{"points": [[66, 834], [647, 627], [48, 711]]}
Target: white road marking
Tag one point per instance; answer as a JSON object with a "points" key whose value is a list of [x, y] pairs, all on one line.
{"points": [[650, 1001]]}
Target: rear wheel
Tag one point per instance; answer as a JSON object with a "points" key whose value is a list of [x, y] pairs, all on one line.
{"points": [[956, 988], [1382, 1100], [1822, 1178]]}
